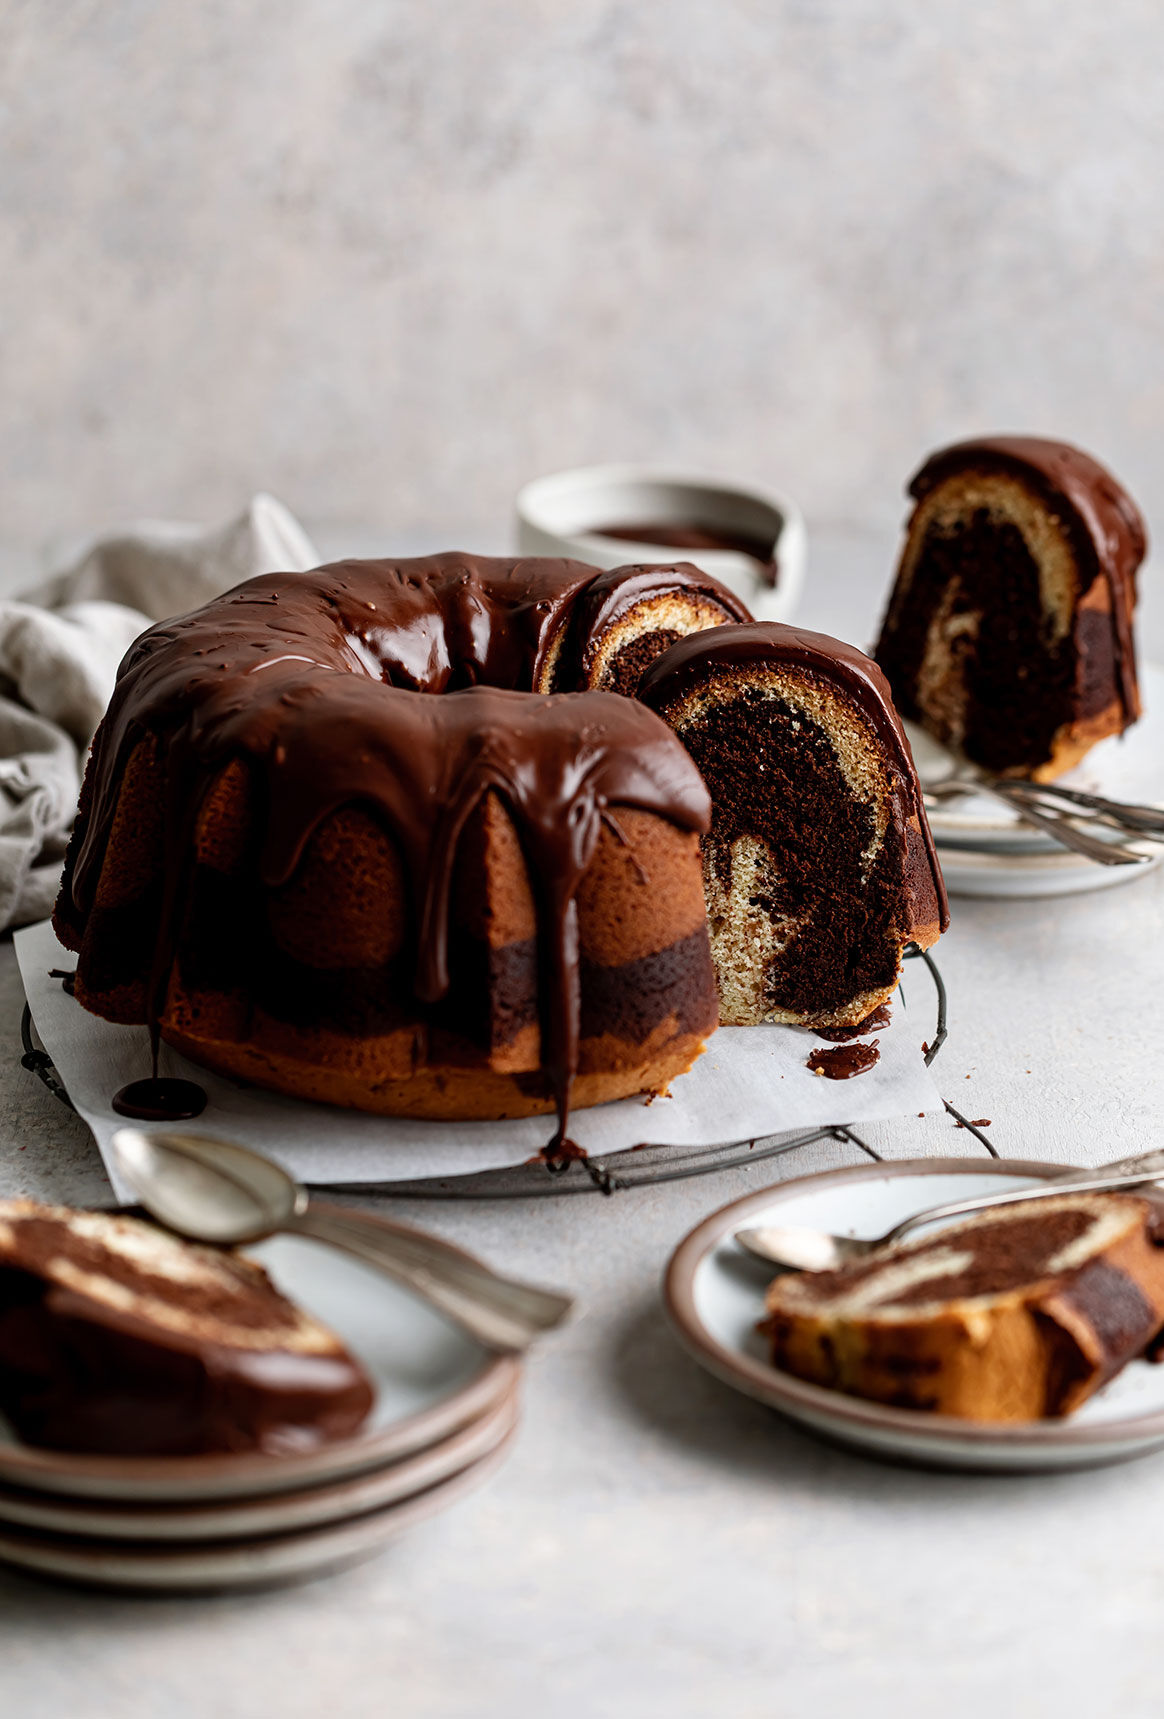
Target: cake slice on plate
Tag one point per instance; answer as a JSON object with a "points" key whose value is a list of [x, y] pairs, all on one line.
{"points": [[1008, 635], [1018, 1313], [117, 1337]]}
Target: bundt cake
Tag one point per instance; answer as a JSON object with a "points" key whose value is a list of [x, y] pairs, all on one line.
{"points": [[1008, 634], [1009, 1316], [119, 1338], [302, 868], [819, 866]]}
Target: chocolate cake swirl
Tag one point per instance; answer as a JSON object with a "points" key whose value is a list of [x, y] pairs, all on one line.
{"points": [[1009, 630], [1010, 1315], [819, 867]]}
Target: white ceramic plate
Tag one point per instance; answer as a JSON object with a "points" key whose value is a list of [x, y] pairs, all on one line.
{"points": [[1127, 767], [279, 1513], [260, 1563], [715, 1295], [1057, 873], [431, 1380]]}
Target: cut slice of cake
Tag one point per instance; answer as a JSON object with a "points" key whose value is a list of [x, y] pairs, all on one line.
{"points": [[117, 1337], [628, 616], [1015, 1314], [819, 867], [1008, 634]]}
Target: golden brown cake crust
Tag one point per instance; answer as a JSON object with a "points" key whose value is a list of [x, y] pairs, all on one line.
{"points": [[1010, 1316]]}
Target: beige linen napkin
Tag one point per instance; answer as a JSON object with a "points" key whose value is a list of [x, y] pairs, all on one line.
{"points": [[60, 646]]}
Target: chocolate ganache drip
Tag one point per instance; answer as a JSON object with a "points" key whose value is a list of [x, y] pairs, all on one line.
{"points": [[323, 682]]}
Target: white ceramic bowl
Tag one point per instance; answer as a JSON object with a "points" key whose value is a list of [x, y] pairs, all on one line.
{"points": [[557, 515]]}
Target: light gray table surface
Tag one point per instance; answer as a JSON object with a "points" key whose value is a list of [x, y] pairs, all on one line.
{"points": [[656, 1544]]}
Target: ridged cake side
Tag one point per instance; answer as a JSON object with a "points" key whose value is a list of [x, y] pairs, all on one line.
{"points": [[400, 890]]}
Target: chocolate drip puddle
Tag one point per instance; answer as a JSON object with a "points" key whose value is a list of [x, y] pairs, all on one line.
{"points": [[160, 1100], [842, 1062], [872, 1023]]}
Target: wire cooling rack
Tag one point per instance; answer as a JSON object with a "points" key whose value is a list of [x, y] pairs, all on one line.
{"points": [[639, 1167]]}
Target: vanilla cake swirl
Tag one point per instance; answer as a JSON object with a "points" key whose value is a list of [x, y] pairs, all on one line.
{"points": [[1012, 1315], [118, 1337]]}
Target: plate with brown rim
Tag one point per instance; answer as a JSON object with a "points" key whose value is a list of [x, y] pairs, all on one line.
{"points": [[215, 1566], [276, 1512], [714, 1295], [431, 1379]]}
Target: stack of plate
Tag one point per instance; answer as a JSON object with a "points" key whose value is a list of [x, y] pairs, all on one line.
{"points": [[445, 1415], [985, 850]]}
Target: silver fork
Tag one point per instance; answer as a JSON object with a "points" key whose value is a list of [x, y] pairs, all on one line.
{"points": [[800, 1248], [1061, 827]]}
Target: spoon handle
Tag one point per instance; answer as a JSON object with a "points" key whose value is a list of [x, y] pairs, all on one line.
{"points": [[1150, 1168], [504, 1315]]}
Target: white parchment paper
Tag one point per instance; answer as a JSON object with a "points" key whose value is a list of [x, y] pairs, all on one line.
{"points": [[750, 1083]]}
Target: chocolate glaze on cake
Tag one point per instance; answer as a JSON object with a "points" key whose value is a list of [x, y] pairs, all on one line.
{"points": [[1023, 690], [1112, 536], [120, 1339], [604, 608], [321, 685]]}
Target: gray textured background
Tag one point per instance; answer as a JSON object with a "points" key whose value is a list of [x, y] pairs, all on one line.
{"points": [[389, 260]]}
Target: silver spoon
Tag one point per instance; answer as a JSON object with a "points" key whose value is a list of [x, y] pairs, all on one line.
{"points": [[215, 1191], [1062, 828], [802, 1249]]}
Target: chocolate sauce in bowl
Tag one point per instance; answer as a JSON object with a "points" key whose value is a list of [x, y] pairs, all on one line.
{"points": [[689, 534]]}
